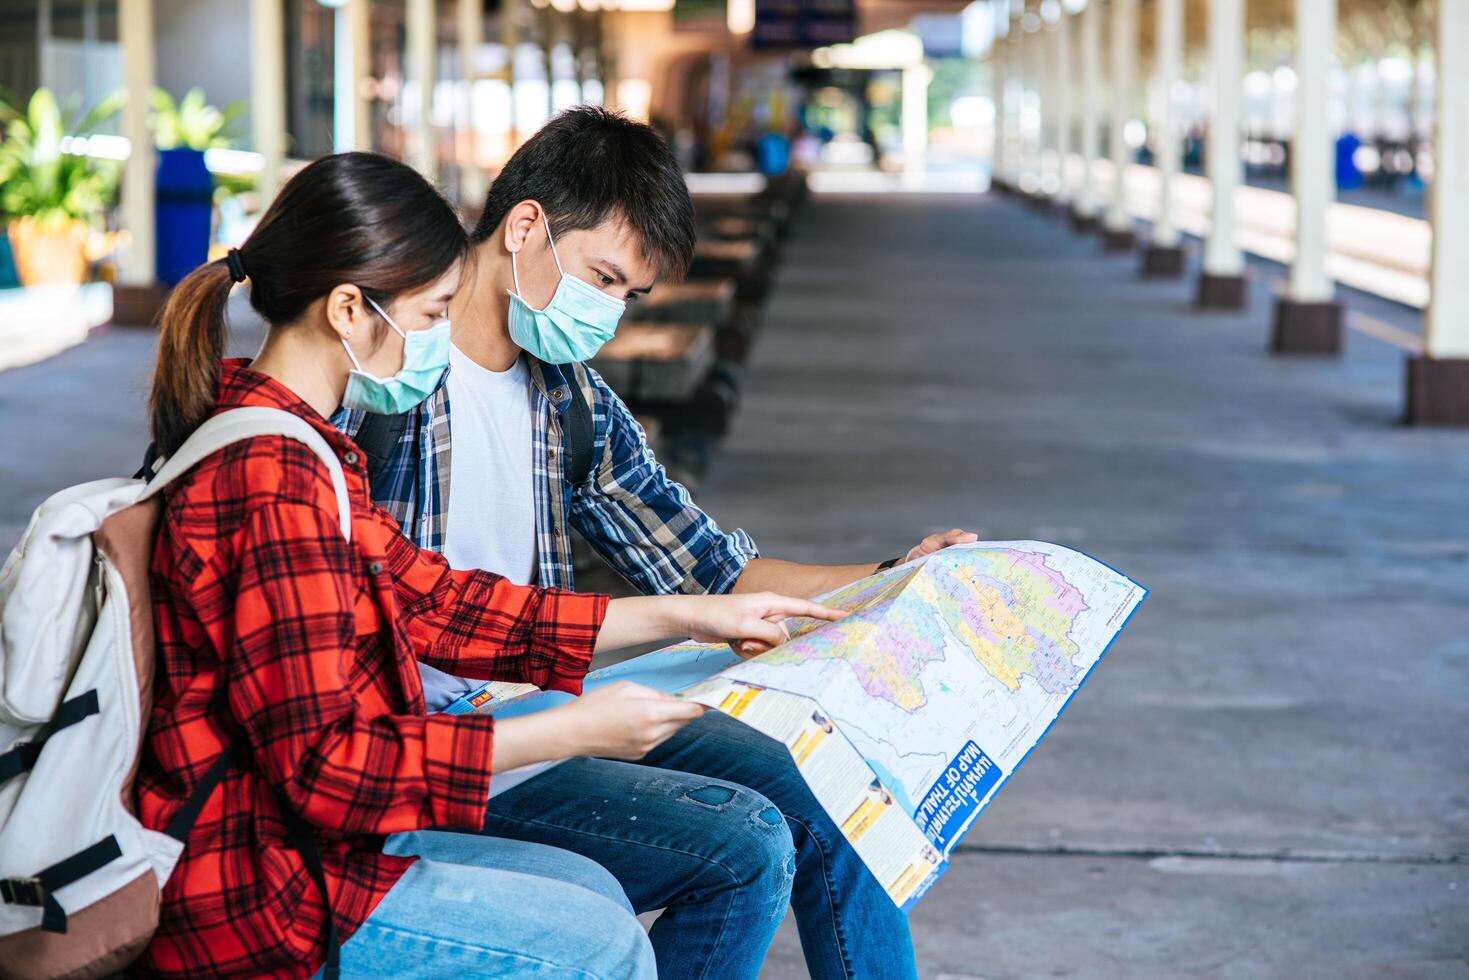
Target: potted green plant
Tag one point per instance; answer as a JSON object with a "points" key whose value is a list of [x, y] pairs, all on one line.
{"points": [[52, 197], [186, 190]]}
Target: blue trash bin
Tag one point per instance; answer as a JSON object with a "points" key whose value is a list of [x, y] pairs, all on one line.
{"points": [[1348, 176], [184, 207], [773, 154]]}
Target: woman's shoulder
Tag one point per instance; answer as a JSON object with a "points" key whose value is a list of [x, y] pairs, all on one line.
{"points": [[229, 488]]}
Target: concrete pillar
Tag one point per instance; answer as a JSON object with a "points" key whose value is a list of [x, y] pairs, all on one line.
{"points": [[999, 81], [1032, 121], [135, 34], [421, 28], [1308, 319], [1438, 381], [1014, 105], [1061, 100], [351, 110], [43, 35], [1045, 101], [1084, 216], [268, 90], [1222, 284], [470, 27], [914, 123], [1117, 227], [1164, 255], [510, 38], [91, 34]]}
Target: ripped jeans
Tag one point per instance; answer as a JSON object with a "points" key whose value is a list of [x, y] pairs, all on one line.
{"points": [[690, 828], [717, 857]]}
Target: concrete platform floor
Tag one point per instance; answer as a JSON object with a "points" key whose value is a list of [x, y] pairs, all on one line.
{"points": [[1268, 776]]}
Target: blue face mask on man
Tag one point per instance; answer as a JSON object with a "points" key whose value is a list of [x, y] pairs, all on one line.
{"points": [[425, 359], [573, 326]]}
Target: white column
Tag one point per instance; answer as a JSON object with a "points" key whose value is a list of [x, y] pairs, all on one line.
{"points": [[268, 89], [997, 99], [1312, 167], [1035, 69], [1222, 162], [1045, 100], [471, 29], [1087, 204], [1165, 127], [1061, 53], [1014, 105], [135, 34], [421, 28], [914, 123], [43, 35], [1122, 69], [1446, 325], [351, 110]]}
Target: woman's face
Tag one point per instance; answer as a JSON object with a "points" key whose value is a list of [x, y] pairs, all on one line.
{"points": [[378, 347]]}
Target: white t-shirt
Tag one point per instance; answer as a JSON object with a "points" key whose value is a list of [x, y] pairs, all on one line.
{"points": [[491, 523]]}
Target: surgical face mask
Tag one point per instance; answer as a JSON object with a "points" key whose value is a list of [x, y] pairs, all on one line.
{"points": [[576, 323], [425, 358]]}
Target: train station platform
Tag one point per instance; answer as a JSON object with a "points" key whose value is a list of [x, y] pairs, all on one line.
{"points": [[1265, 777]]}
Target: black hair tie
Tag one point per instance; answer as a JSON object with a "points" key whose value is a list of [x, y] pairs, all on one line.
{"points": [[236, 263]]}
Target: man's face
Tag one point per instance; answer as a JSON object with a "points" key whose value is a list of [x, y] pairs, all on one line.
{"points": [[607, 257]]}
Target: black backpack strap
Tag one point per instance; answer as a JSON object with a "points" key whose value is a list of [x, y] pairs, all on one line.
{"points": [[578, 432], [299, 835], [40, 889], [23, 755], [378, 439], [305, 844]]}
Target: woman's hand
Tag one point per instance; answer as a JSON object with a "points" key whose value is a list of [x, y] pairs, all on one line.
{"points": [[753, 622], [747, 616], [619, 721], [624, 720]]}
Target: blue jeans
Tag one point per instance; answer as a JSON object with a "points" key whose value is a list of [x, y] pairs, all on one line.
{"points": [[472, 907], [672, 825]]}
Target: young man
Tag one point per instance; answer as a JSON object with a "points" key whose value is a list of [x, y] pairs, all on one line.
{"points": [[591, 213]]}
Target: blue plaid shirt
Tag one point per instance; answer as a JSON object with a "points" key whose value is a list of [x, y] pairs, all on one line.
{"points": [[644, 524]]}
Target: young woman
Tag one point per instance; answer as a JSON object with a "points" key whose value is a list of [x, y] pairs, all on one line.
{"points": [[287, 653]]}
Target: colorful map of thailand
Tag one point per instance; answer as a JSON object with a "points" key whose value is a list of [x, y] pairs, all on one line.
{"points": [[981, 643]]}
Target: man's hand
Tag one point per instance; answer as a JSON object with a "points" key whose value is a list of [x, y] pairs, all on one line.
{"points": [[938, 542]]}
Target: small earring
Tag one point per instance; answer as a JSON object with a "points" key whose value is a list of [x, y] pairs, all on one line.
{"points": [[349, 331]]}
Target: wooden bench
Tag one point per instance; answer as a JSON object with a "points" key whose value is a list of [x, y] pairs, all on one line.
{"points": [[736, 259], [708, 301], [657, 362]]}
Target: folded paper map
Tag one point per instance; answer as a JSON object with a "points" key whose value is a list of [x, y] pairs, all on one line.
{"points": [[908, 716]]}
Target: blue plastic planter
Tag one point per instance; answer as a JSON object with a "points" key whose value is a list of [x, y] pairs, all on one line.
{"points": [[185, 209]]}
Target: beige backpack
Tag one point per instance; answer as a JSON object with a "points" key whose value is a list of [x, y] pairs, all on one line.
{"points": [[80, 877]]}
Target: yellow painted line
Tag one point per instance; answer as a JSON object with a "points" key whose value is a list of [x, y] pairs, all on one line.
{"points": [[1385, 332]]}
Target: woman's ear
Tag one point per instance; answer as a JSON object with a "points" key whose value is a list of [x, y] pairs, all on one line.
{"points": [[518, 224], [346, 311]]}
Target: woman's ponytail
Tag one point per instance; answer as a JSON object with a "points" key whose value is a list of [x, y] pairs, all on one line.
{"points": [[191, 342]]}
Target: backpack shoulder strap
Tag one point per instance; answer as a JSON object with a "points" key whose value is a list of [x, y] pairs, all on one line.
{"points": [[239, 424], [579, 431], [378, 438]]}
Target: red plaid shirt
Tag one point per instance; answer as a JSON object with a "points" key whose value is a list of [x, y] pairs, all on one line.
{"points": [[278, 637]]}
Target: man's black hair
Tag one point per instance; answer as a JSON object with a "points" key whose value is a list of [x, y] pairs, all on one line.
{"points": [[590, 164]]}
